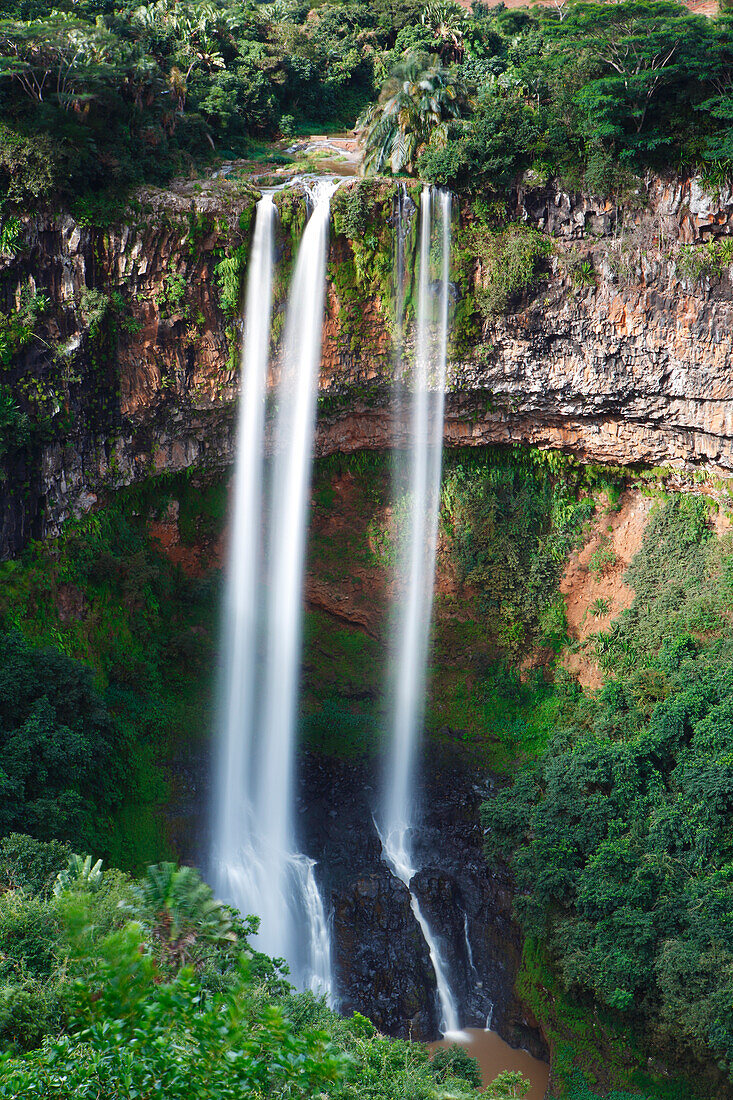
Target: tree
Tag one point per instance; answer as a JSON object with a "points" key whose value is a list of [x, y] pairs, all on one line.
{"points": [[61, 751], [510, 1085], [619, 836], [492, 146], [186, 918], [447, 23], [413, 109], [631, 50], [60, 58]]}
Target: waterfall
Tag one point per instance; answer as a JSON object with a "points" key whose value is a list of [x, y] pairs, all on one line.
{"points": [[289, 495], [469, 949], [257, 863], [417, 569], [234, 826]]}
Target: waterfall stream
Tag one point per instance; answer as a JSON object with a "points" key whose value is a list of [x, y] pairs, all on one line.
{"points": [[417, 568], [257, 864]]}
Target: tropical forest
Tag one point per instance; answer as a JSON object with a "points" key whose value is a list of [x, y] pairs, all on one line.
{"points": [[366, 549]]}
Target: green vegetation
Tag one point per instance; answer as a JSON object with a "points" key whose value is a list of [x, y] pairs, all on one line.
{"points": [[511, 527], [705, 261], [619, 834], [105, 94], [99, 95], [413, 111], [602, 559], [62, 753], [105, 594], [115, 989], [615, 824], [589, 92], [510, 260]]}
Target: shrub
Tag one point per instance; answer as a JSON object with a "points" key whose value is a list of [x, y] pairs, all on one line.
{"points": [[491, 148], [696, 263], [31, 865], [511, 262], [455, 1061], [602, 558]]}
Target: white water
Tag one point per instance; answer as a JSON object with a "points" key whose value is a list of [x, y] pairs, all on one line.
{"points": [[257, 863], [289, 494], [234, 825], [469, 949], [417, 569]]}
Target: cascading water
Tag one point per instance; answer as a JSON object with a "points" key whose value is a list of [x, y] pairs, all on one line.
{"points": [[289, 493], [417, 568], [469, 949], [257, 864], [235, 828]]}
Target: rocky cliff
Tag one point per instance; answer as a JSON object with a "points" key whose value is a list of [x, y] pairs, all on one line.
{"points": [[119, 357]]}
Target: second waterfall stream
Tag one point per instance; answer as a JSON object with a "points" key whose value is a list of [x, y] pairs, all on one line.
{"points": [[256, 862], [413, 611]]}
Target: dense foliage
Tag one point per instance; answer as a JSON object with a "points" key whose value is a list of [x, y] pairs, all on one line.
{"points": [[620, 834], [511, 527], [593, 92], [83, 746], [61, 751], [617, 834], [96, 1000], [106, 93]]}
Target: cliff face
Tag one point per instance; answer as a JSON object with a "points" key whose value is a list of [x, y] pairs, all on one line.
{"points": [[621, 352]]}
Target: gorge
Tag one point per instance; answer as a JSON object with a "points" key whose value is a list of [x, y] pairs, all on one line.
{"points": [[366, 550], [629, 371]]}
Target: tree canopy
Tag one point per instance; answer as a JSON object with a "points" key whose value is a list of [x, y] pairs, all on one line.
{"points": [[108, 93], [60, 749]]}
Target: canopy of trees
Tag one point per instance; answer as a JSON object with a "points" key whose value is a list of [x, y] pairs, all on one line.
{"points": [[107, 93], [60, 749], [590, 91]]}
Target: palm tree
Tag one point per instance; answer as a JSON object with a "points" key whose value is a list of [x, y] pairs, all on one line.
{"points": [[413, 109], [447, 21], [185, 917]]}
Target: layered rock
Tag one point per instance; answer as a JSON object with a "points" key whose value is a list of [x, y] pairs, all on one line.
{"points": [[631, 365], [381, 962]]}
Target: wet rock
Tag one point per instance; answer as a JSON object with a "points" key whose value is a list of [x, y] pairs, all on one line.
{"points": [[381, 961]]}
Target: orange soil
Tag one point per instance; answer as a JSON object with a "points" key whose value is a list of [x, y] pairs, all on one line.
{"points": [[624, 531], [699, 7]]}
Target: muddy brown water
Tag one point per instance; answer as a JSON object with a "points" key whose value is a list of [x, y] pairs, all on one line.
{"points": [[494, 1056]]}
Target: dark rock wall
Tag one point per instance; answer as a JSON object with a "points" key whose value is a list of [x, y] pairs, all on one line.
{"points": [[381, 960]]}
